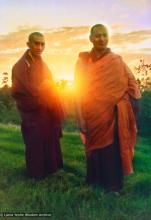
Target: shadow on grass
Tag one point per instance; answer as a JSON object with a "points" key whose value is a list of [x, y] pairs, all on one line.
{"points": [[11, 150], [11, 138], [72, 169], [142, 187]]}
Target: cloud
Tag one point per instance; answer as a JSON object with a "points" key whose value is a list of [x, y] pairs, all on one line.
{"points": [[63, 39], [119, 26], [63, 45], [135, 37], [142, 4]]}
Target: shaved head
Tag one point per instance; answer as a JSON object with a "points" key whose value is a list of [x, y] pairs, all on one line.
{"points": [[33, 35], [98, 26]]}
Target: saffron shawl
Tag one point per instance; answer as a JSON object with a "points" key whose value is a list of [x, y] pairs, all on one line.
{"points": [[104, 88]]}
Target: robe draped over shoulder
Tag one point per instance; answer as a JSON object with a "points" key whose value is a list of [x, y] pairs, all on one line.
{"points": [[105, 86]]}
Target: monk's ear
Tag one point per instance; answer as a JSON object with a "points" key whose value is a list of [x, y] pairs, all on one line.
{"points": [[90, 38], [28, 44]]}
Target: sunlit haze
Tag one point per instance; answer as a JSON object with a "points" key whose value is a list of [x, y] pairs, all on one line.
{"points": [[66, 25]]}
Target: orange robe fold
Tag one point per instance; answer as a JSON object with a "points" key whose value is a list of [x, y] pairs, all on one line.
{"points": [[104, 89]]}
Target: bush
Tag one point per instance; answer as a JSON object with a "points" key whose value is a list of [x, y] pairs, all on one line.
{"points": [[9, 113], [144, 117]]}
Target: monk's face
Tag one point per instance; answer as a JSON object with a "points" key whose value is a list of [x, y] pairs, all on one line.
{"points": [[36, 45], [99, 38]]}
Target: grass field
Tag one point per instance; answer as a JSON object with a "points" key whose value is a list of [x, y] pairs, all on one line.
{"points": [[65, 194]]}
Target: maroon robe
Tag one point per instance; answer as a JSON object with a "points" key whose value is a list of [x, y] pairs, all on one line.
{"points": [[41, 113]]}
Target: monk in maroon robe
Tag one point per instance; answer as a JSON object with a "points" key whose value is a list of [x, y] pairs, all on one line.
{"points": [[40, 109]]}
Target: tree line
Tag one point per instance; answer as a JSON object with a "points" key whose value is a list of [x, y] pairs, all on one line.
{"points": [[9, 114]]}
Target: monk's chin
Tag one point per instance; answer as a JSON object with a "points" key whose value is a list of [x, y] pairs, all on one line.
{"points": [[37, 54], [100, 48]]}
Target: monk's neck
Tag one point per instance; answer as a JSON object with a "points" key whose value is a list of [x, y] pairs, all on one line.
{"points": [[32, 57], [99, 53]]}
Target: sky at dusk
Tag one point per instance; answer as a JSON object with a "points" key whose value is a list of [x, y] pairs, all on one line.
{"points": [[66, 25]]}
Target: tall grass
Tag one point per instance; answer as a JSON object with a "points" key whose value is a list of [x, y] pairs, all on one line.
{"points": [[65, 194]]}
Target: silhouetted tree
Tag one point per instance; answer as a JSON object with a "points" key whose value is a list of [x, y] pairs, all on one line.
{"points": [[4, 79], [143, 75]]}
